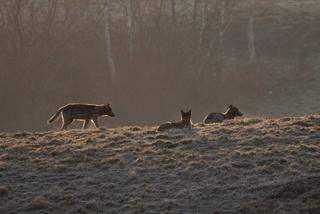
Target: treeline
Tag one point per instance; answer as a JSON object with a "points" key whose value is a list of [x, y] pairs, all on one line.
{"points": [[148, 58]]}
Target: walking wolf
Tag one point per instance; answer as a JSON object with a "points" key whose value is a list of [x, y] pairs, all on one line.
{"points": [[78, 111]]}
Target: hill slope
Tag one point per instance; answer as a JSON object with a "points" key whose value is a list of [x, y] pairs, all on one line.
{"points": [[242, 166]]}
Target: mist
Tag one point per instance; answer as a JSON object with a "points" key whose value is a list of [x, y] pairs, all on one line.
{"points": [[151, 59]]}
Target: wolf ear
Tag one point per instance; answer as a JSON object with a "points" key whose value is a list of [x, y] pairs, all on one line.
{"points": [[181, 111], [230, 106], [189, 111]]}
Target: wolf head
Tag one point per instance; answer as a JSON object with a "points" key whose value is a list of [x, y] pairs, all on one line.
{"points": [[233, 112], [186, 116], [107, 110]]}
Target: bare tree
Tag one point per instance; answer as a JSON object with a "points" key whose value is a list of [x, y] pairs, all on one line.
{"points": [[18, 38], [194, 15], [158, 13], [222, 19], [52, 9], [203, 24], [129, 23], [107, 35], [252, 49], [173, 12]]}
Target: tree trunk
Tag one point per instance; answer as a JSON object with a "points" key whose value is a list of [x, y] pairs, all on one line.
{"points": [[52, 10], [173, 12], [194, 15], [252, 49], [203, 25], [222, 11], [107, 34], [130, 33], [158, 14]]}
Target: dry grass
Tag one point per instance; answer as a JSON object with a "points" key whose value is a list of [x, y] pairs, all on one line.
{"points": [[248, 165]]}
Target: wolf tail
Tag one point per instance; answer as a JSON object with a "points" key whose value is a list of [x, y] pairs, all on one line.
{"points": [[55, 116]]}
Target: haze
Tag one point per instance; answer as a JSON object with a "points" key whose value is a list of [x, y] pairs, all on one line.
{"points": [[157, 58]]}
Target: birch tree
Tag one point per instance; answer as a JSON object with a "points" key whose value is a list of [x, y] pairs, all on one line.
{"points": [[202, 26], [130, 32], [252, 49], [222, 19], [107, 35]]}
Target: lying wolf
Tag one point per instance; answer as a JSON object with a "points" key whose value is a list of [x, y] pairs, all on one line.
{"points": [[231, 113], [86, 112], [184, 122]]}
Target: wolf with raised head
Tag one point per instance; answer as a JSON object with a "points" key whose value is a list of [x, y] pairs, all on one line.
{"points": [[184, 122], [231, 113]]}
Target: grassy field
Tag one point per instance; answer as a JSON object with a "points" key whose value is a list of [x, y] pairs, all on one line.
{"points": [[249, 165]]}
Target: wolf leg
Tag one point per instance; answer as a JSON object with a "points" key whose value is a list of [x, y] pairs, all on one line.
{"points": [[85, 124], [66, 120], [95, 121]]}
